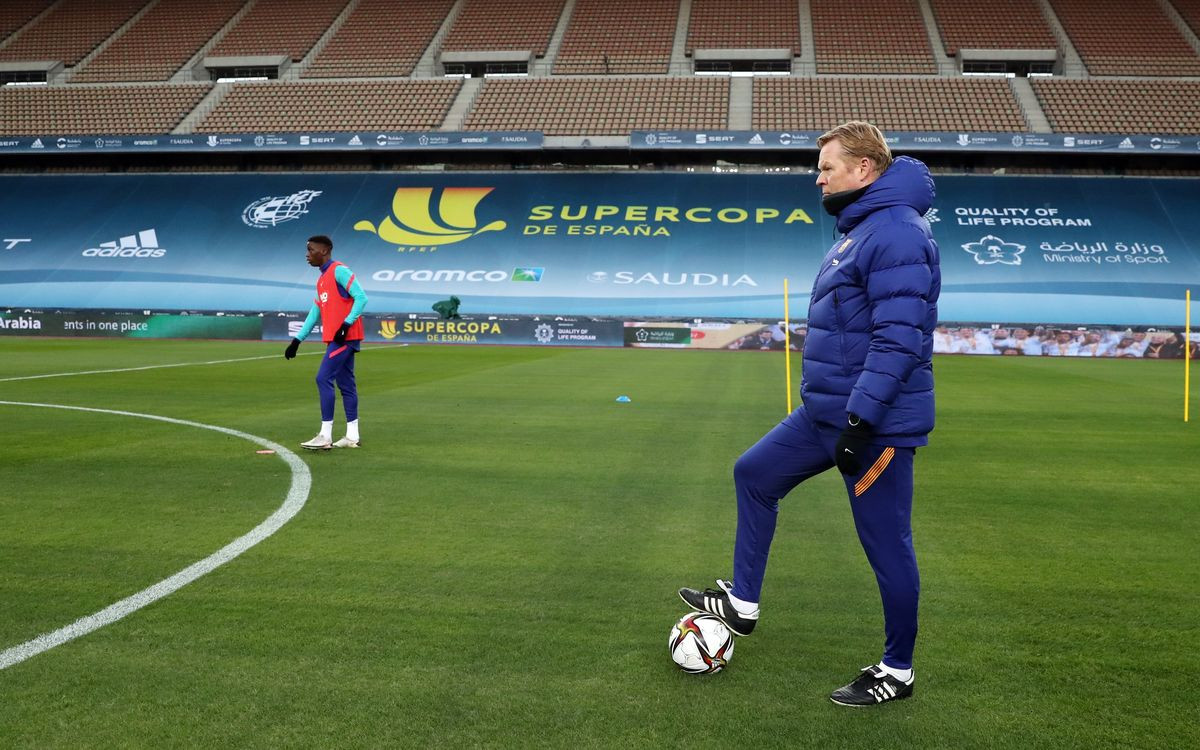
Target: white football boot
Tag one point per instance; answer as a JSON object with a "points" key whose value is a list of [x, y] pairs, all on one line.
{"points": [[319, 443], [346, 443]]}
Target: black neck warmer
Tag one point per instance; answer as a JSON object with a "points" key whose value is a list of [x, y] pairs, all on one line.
{"points": [[834, 203]]}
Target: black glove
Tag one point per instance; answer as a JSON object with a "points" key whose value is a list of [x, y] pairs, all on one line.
{"points": [[340, 336], [852, 445], [290, 353]]}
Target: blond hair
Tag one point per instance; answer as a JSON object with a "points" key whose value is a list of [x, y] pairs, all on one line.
{"points": [[860, 140]]}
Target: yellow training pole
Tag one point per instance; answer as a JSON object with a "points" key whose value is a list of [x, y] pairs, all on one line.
{"points": [[787, 345], [1187, 351]]}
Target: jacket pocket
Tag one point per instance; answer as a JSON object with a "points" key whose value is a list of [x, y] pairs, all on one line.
{"points": [[841, 328]]}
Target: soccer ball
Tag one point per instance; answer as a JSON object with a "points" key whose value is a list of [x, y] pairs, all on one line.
{"points": [[700, 643]]}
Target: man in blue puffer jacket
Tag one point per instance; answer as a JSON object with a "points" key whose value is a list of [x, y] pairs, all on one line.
{"points": [[867, 396]]}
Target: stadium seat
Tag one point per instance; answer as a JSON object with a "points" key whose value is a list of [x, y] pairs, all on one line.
{"points": [[160, 42], [278, 27], [918, 103], [1190, 11], [486, 26], [70, 31], [1120, 106], [380, 39], [1148, 44], [600, 106], [881, 36], [626, 36], [85, 110], [753, 24], [279, 106], [17, 13], [998, 24]]}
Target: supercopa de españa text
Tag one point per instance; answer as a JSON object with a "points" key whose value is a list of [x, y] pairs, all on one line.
{"points": [[449, 331], [643, 219]]}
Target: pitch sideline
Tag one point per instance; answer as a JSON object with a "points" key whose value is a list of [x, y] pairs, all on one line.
{"points": [[296, 497], [175, 364]]}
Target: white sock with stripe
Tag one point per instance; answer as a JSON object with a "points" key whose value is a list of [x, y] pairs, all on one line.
{"points": [[746, 609], [904, 675]]}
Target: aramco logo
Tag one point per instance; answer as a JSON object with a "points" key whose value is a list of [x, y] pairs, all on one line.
{"points": [[422, 223]]}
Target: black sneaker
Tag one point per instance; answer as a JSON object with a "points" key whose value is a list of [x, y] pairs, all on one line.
{"points": [[716, 602], [871, 687]]}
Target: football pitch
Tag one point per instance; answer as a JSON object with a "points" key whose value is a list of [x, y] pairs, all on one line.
{"points": [[497, 565]]}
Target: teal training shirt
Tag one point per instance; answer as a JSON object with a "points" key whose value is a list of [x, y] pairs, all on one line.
{"points": [[342, 274]]}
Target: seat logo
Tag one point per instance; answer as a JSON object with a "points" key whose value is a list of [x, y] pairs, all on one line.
{"points": [[420, 219]]}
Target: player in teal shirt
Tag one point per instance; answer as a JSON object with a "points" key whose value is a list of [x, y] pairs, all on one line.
{"points": [[338, 307]]}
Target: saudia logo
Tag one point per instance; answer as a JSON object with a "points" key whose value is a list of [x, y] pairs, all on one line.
{"points": [[418, 224], [670, 279]]}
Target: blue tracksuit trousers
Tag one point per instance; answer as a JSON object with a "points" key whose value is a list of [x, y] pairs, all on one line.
{"points": [[880, 498], [338, 366]]}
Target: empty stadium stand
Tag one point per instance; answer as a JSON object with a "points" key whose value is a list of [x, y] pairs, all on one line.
{"points": [[160, 42], [1120, 106], [876, 36], [17, 13], [84, 110], [70, 31], [482, 25], [380, 38], [999, 24], [279, 27], [284, 106], [1189, 10], [1126, 38], [611, 70], [893, 104], [618, 36], [600, 106], [752, 24]]}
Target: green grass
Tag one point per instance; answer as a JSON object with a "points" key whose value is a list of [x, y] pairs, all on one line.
{"points": [[497, 566]]}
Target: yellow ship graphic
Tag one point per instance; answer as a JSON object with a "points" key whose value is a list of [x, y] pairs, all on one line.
{"points": [[415, 220]]}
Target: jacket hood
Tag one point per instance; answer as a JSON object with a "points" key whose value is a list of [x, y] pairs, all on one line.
{"points": [[906, 182]]}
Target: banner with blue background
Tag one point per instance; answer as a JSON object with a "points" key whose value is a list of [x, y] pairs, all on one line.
{"points": [[1039, 249]]}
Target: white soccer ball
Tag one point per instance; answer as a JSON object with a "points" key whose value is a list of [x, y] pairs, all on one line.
{"points": [[700, 643]]}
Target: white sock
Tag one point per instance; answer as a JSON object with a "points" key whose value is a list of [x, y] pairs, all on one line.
{"points": [[904, 675], [746, 609], [352, 430], [327, 430]]}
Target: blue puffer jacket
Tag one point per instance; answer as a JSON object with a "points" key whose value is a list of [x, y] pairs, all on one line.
{"points": [[869, 349]]}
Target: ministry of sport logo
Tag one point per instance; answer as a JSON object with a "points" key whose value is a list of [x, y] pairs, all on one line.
{"points": [[424, 219], [992, 249], [270, 211]]}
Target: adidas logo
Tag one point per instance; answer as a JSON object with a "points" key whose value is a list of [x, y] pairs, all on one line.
{"points": [[1127, 143], [756, 140], [715, 605], [354, 141], [882, 692], [38, 144], [142, 245]]}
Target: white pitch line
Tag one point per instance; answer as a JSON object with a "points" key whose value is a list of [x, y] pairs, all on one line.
{"points": [[174, 364], [296, 497]]}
